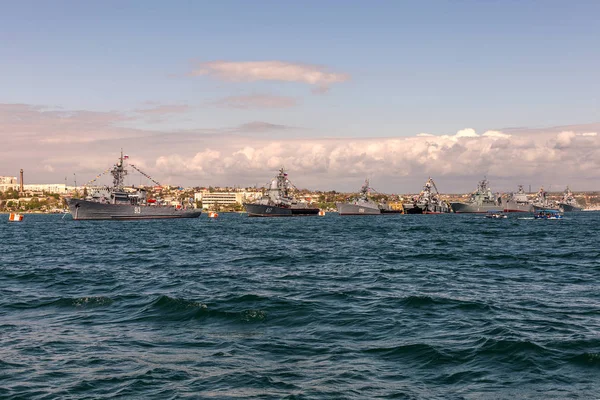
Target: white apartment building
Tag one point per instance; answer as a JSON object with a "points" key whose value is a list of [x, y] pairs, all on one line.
{"points": [[209, 200], [59, 188], [8, 182]]}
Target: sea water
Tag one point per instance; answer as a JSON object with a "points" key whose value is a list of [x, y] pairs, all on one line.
{"points": [[391, 306]]}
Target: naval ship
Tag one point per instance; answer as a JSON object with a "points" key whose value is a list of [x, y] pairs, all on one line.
{"points": [[541, 202], [278, 201], [517, 202], [482, 200], [118, 203], [427, 202], [568, 202], [363, 205]]}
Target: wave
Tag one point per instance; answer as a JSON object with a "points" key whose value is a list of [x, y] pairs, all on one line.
{"points": [[66, 302], [508, 346], [178, 309], [587, 360], [417, 301], [422, 353], [78, 302]]}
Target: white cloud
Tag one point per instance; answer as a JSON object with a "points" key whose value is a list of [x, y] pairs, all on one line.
{"points": [[50, 145], [250, 71], [465, 154], [496, 134], [466, 133], [564, 139]]}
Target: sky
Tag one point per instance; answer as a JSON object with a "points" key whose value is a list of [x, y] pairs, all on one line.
{"points": [[224, 93]]}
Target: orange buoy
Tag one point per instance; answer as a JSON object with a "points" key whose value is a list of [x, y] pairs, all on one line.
{"points": [[213, 214], [15, 217], [322, 213]]}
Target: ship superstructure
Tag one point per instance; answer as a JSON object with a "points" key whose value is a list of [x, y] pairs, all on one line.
{"points": [[568, 202], [427, 202], [517, 202], [542, 202]]}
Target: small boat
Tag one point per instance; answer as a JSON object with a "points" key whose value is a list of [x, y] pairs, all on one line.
{"points": [[15, 217], [495, 214], [213, 214], [547, 214]]}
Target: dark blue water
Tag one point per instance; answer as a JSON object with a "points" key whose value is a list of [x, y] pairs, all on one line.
{"points": [[424, 307]]}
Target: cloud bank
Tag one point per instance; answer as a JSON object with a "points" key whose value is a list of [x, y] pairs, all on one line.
{"points": [[544, 158], [250, 71], [50, 145]]}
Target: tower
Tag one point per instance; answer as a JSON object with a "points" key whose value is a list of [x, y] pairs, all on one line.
{"points": [[21, 189]]}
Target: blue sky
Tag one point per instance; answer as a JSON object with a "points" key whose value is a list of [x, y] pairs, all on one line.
{"points": [[412, 67], [415, 66]]}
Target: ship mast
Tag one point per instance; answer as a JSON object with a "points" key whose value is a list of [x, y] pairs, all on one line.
{"points": [[282, 183], [118, 172]]}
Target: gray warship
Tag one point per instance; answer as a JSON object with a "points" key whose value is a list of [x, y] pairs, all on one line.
{"points": [[482, 200], [568, 202], [427, 202], [363, 204], [517, 202], [541, 202], [278, 201], [121, 203]]}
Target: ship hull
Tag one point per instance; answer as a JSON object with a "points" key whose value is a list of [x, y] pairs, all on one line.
{"points": [[569, 208], [474, 208], [541, 208], [412, 209], [513, 206], [419, 208], [357, 209], [391, 211], [89, 210], [261, 210]]}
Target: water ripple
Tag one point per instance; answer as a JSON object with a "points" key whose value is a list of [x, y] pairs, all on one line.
{"points": [[406, 307]]}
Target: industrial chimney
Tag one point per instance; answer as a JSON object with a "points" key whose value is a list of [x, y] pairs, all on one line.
{"points": [[21, 180]]}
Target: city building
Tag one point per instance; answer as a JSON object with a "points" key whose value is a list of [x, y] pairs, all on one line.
{"points": [[59, 188], [8, 182], [222, 199], [11, 182]]}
